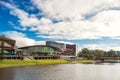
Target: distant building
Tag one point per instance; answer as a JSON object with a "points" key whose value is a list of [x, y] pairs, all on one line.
{"points": [[41, 50], [65, 49], [51, 50], [61, 46]]}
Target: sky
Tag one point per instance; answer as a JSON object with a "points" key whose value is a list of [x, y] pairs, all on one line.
{"points": [[93, 24]]}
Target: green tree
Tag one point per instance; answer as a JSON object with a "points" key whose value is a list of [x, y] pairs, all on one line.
{"points": [[86, 53], [98, 53], [111, 53]]}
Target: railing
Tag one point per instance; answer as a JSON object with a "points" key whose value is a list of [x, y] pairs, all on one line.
{"points": [[13, 57], [28, 57]]}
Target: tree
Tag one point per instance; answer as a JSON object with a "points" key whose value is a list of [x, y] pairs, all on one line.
{"points": [[111, 53], [86, 53], [98, 53]]}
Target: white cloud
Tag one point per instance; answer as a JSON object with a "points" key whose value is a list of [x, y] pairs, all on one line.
{"points": [[21, 39], [40, 43], [104, 24], [25, 19], [104, 47], [72, 25], [73, 10], [65, 42], [110, 19], [72, 30]]}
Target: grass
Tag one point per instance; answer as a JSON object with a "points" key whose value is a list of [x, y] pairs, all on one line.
{"points": [[12, 63]]}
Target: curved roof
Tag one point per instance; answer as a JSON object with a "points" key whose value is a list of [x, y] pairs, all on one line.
{"points": [[55, 48]]}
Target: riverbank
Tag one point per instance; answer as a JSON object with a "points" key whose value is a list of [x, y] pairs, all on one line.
{"points": [[14, 63], [84, 61]]}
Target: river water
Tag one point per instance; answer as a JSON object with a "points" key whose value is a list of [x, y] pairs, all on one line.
{"points": [[104, 71]]}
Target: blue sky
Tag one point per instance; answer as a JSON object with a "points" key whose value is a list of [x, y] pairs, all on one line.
{"points": [[32, 22]]}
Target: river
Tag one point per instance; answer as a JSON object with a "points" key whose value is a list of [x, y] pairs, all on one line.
{"points": [[104, 71]]}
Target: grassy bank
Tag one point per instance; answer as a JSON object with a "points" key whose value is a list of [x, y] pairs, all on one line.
{"points": [[12, 63], [84, 61]]}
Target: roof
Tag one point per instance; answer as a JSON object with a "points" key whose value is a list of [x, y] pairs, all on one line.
{"points": [[25, 47], [7, 42]]}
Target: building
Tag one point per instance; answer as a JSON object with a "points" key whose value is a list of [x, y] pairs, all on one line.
{"points": [[65, 49], [7, 47], [61, 46], [51, 50], [39, 51]]}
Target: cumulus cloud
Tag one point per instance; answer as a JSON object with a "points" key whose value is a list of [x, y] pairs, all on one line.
{"points": [[25, 19], [69, 9], [70, 30], [110, 19], [21, 39], [104, 47], [78, 19]]}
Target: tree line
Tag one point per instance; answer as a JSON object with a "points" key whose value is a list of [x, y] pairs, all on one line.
{"points": [[94, 54]]}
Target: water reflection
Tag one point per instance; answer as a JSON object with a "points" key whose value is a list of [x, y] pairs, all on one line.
{"points": [[7, 74], [63, 72]]}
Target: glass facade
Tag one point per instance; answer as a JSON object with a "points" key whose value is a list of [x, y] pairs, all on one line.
{"points": [[39, 50]]}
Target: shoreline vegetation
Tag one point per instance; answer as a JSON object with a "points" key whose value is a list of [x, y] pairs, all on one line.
{"points": [[16, 63]]}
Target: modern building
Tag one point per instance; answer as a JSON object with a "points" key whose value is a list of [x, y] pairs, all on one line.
{"points": [[59, 45], [51, 50], [7, 44], [7, 48], [39, 51], [65, 49]]}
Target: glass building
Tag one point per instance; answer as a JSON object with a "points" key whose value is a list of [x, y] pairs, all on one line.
{"points": [[40, 50]]}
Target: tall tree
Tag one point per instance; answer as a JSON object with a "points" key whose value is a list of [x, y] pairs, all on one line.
{"points": [[98, 53], [85, 53], [111, 53]]}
